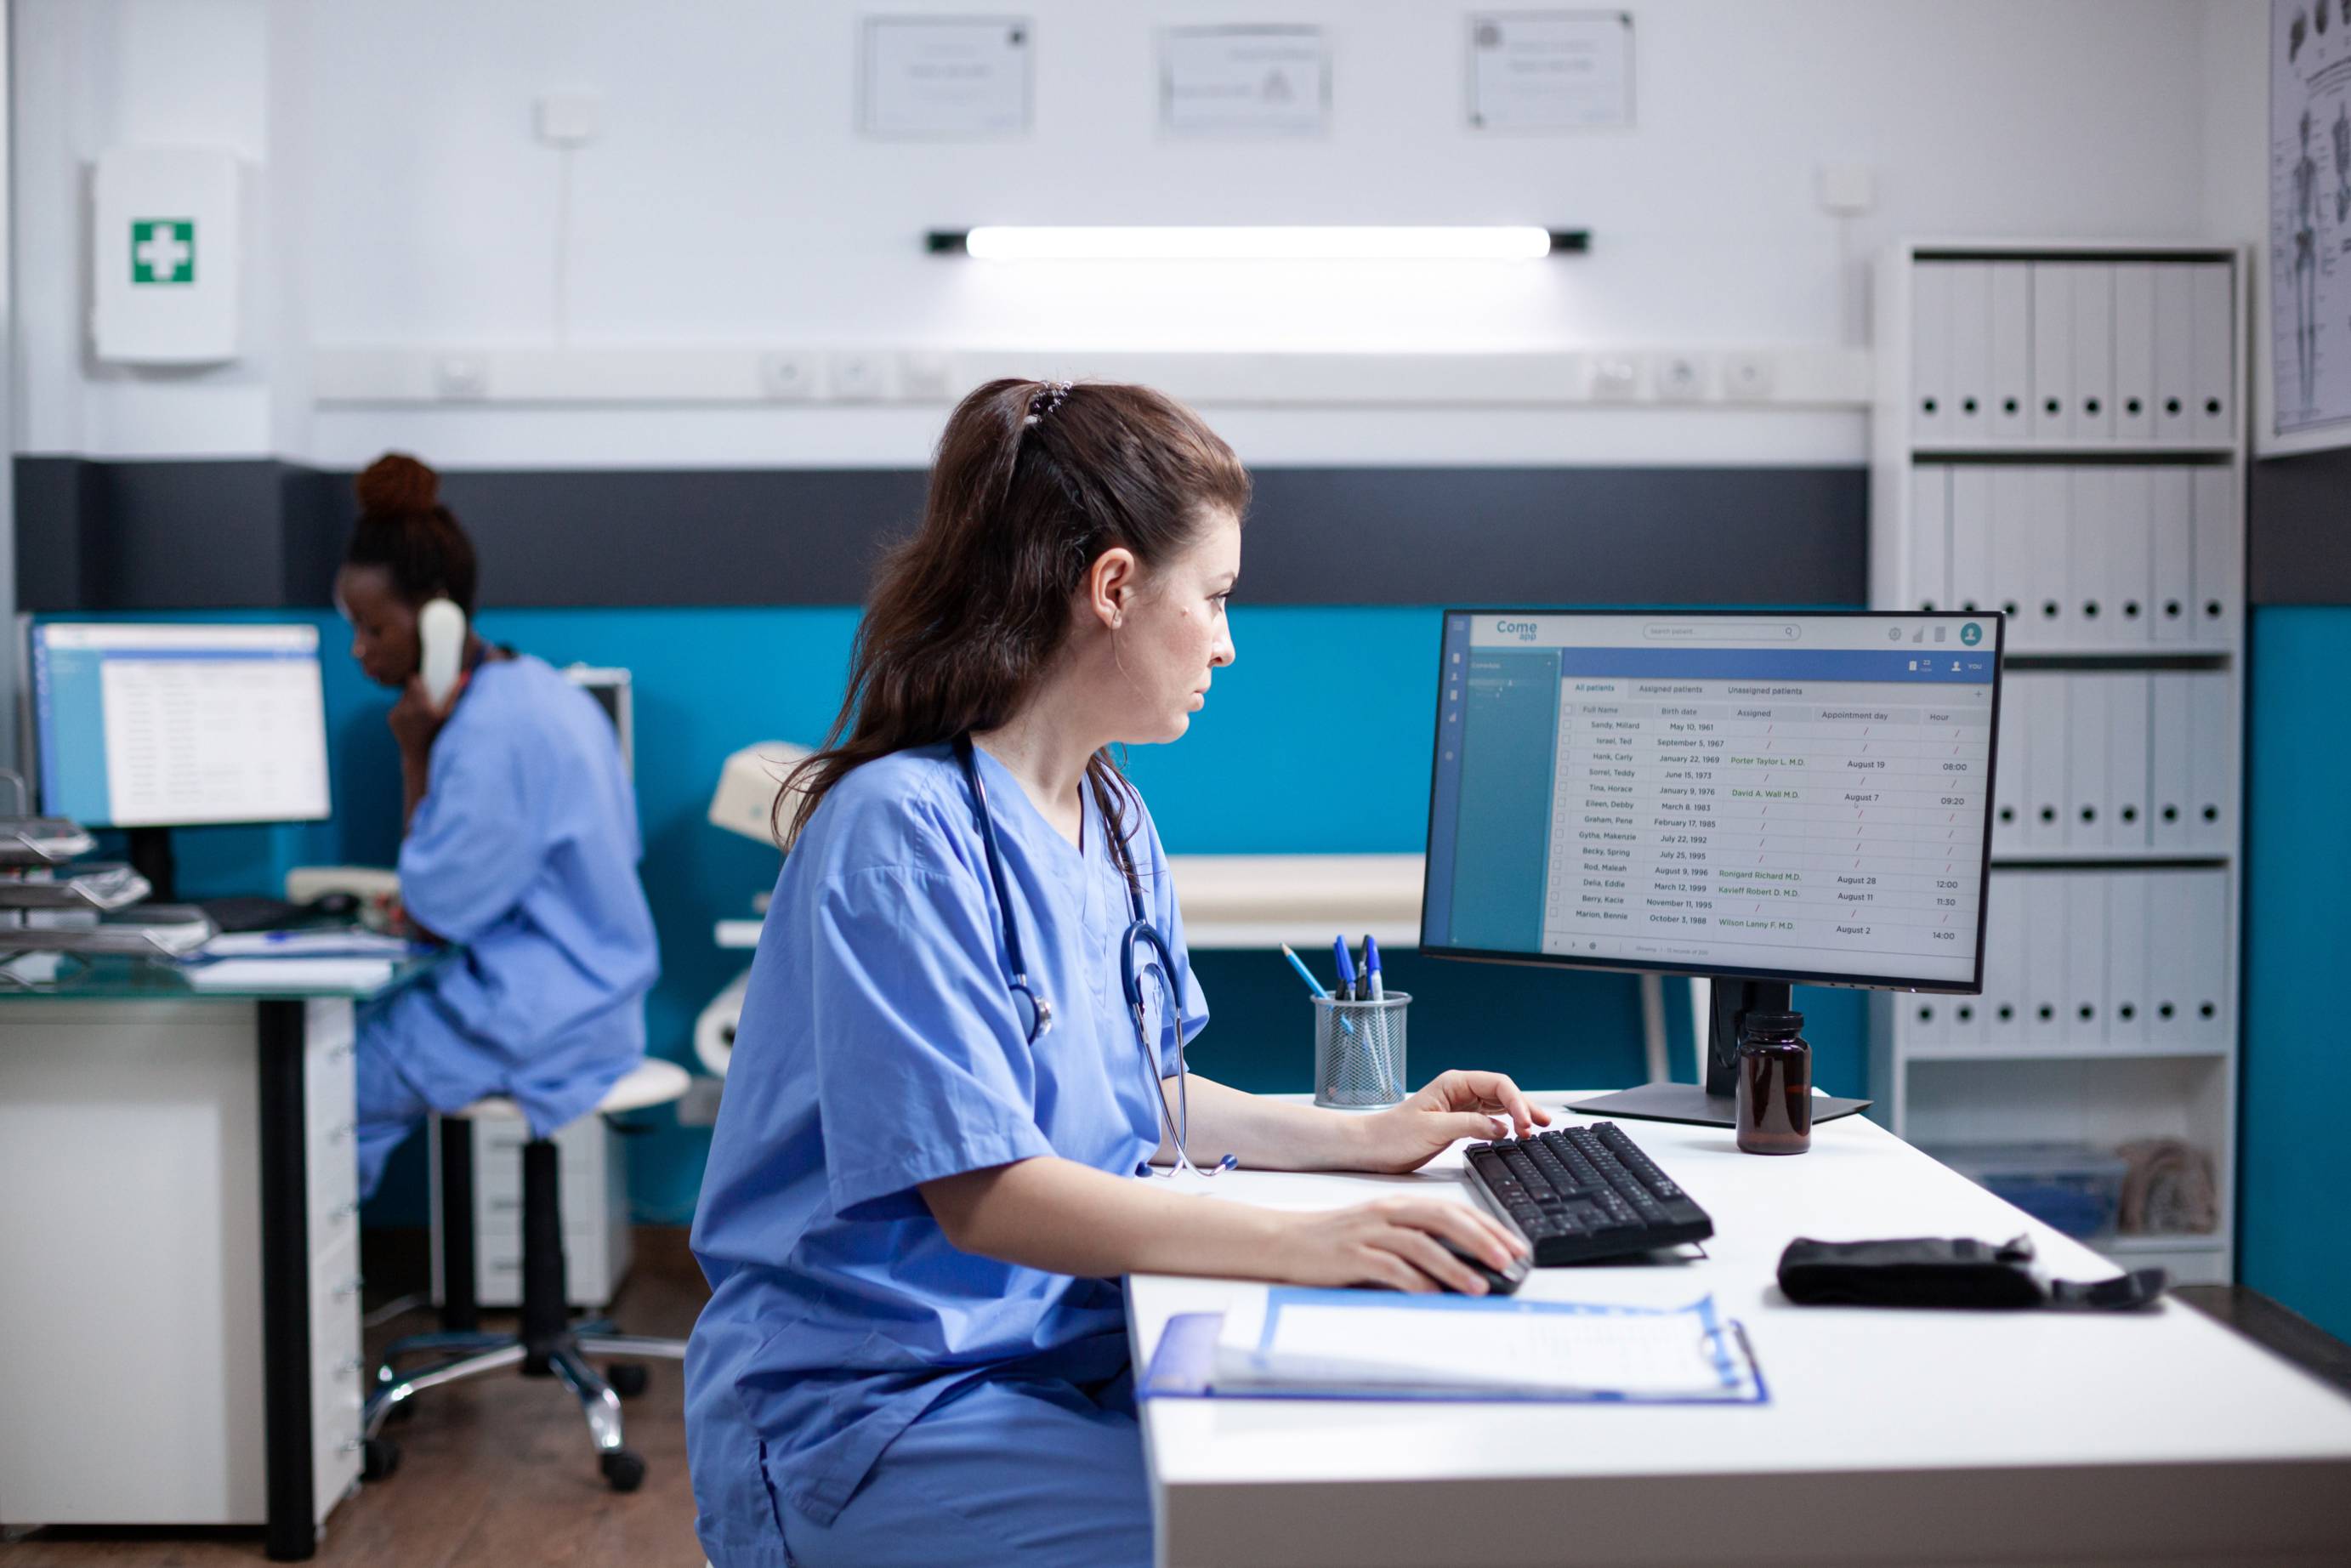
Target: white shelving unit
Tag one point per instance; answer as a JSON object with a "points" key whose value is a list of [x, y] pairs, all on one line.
{"points": [[2059, 434]]}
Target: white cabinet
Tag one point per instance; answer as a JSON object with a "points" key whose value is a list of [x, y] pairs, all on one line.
{"points": [[2113, 524]]}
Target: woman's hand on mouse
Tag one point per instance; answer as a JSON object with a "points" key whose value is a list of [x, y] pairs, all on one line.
{"points": [[1450, 1107], [1398, 1242]]}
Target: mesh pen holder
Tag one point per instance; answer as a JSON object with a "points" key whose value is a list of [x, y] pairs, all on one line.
{"points": [[1358, 1051]]}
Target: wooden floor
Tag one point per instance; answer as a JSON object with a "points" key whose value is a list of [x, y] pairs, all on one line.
{"points": [[495, 1473]]}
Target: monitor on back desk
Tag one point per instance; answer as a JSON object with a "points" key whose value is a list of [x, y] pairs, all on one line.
{"points": [[1760, 797], [154, 727]]}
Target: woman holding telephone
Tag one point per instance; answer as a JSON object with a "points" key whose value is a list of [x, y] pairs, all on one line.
{"points": [[520, 840]]}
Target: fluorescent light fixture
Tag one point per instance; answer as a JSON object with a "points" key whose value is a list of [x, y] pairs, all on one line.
{"points": [[1006, 242]]}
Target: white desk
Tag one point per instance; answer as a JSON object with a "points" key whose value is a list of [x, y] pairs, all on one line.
{"points": [[1892, 1436]]}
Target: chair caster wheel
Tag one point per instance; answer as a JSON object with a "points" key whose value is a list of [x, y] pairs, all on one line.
{"points": [[627, 1378], [623, 1469], [378, 1457]]}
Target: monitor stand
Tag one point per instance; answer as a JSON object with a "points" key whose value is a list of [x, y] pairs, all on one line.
{"points": [[1715, 1103], [151, 857]]}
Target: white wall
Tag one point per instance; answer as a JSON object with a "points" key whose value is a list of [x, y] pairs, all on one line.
{"points": [[728, 202]]}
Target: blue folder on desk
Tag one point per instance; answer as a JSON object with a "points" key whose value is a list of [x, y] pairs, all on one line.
{"points": [[1357, 1344]]}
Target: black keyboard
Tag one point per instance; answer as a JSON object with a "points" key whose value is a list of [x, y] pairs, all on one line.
{"points": [[1586, 1192]]}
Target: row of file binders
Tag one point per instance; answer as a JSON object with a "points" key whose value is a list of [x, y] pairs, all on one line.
{"points": [[2073, 353], [2118, 557], [2093, 958], [2118, 761]]}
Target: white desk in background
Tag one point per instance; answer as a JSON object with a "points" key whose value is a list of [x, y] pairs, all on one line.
{"points": [[179, 1251], [2158, 1440]]}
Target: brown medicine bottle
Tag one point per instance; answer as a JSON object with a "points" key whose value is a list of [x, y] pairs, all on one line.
{"points": [[1775, 1084]]}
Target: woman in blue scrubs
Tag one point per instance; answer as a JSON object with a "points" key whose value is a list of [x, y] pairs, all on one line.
{"points": [[923, 1186], [520, 843]]}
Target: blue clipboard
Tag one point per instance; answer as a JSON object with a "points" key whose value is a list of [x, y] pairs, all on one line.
{"points": [[1183, 1366]]}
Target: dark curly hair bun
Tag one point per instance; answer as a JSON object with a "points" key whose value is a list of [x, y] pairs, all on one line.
{"points": [[397, 485]]}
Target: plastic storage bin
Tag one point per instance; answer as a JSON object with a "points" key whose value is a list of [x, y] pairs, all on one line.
{"points": [[2071, 1188]]}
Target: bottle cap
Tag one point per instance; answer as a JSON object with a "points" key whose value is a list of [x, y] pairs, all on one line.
{"points": [[1772, 1023]]}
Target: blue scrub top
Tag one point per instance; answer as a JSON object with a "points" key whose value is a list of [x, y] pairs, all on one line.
{"points": [[877, 1049], [524, 850]]}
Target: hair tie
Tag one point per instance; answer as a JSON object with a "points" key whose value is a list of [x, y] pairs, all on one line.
{"points": [[1047, 398]]}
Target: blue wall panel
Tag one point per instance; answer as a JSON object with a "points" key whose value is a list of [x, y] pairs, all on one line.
{"points": [[2296, 1161], [1315, 742]]}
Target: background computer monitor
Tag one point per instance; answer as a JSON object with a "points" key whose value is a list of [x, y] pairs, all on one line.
{"points": [[1760, 797], [148, 726]]}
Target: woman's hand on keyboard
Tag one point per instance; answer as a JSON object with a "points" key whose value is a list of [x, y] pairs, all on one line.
{"points": [[1452, 1106]]}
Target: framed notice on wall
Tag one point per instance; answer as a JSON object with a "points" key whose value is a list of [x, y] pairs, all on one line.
{"points": [[2310, 218], [1244, 81], [1550, 70], [944, 77]]}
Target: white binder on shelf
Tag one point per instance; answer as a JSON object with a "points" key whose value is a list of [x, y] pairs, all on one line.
{"points": [[2135, 352], [2085, 958], [1972, 572], [2052, 353], [2046, 793], [1967, 1013], [2089, 554], [2049, 534], [2012, 351], [2126, 762], [2130, 545], [2004, 938], [1930, 537], [1930, 352], [2170, 936], [2175, 354], [2218, 555], [2208, 957], [2213, 763], [2044, 958], [2094, 352], [2212, 353], [2126, 956], [2087, 728], [2168, 780], [1928, 1019], [1970, 284], [2010, 763], [2011, 558], [2172, 539]]}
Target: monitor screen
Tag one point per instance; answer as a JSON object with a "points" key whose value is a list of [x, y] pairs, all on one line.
{"points": [[1770, 796], [172, 725]]}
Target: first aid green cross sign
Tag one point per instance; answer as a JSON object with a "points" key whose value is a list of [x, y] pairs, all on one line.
{"points": [[162, 250]]}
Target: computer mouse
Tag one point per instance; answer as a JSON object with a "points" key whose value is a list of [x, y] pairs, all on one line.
{"points": [[338, 905], [1503, 1283]]}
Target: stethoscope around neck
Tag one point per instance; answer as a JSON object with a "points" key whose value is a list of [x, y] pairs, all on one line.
{"points": [[1035, 1011]]}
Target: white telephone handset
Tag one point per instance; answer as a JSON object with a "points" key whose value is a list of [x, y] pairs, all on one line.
{"points": [[441, 629]]}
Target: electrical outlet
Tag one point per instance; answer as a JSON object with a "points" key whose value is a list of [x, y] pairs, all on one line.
{"points": [[460, 376], [1615, 378], [698, 1107], [790, 377], [861, 378], [1678, 378], [1747, 378], [924, 377]]}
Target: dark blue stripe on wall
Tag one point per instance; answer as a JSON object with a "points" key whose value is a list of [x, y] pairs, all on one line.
{"points": [[259, 535]]}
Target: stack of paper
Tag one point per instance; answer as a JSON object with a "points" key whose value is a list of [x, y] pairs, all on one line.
{"points": [[324, 973], [338, 943], [1358, 1345]]}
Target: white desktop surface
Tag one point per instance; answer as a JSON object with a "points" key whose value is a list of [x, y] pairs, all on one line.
{"points": [[1891, 1435]]}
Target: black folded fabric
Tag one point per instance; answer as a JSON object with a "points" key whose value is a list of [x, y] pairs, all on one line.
{"points": [[1959, 1271]]}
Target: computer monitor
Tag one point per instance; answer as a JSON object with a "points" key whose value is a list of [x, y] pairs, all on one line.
{"points": [[148, 726], [1763, 797]]}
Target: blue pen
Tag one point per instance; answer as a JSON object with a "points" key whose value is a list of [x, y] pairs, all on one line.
{"points": [[1372, 968], [1313, 984], [1346, 992], [1372, 983]]}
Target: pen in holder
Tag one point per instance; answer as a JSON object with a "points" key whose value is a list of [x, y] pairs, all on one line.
{"points": [[1358, 1051]]}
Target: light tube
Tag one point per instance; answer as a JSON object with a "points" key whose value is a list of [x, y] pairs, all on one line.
{"points": [[1005, 242]]}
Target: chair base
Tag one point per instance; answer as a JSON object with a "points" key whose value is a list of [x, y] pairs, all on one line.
{"points": [[563, 1356]]}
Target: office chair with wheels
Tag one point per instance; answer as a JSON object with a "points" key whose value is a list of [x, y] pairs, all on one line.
{"points": [[548, 1344]]}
